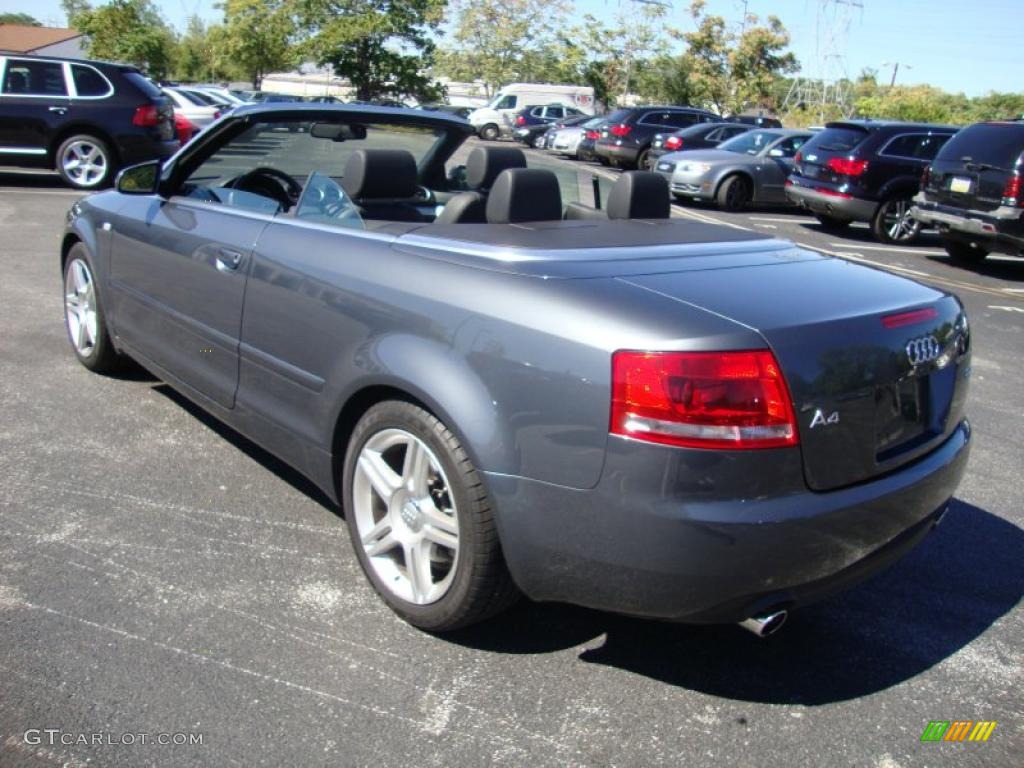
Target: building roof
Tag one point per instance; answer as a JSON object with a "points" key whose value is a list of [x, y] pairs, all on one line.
{"points": [[16, 38]]}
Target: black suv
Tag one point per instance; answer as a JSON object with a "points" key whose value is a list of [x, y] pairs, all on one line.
{"points": [[973, 192], [866, 170], [533, 122], [86, 119], [626, 139]]}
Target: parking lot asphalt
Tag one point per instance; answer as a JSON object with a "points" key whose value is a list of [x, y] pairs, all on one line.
{"points": [[159, 574]]}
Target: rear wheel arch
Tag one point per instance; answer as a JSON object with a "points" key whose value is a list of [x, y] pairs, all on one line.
{"points": [[65, 248]]}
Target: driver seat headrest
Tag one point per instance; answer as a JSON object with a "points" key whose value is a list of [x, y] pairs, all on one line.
{"points": [[380, 174], [485, 163]]}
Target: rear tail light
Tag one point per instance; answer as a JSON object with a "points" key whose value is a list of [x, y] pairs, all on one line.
{"points": [[621, 130], [732, 400], [673, 142], [593, 135], [926, 177], [1012, 191], [146, 116], [798, 158], [847, 166], [217, 114], [913, 317], [184, 127], [520, 120]]}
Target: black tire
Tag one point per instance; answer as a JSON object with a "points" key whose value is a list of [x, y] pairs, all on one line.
{"points": [[481, 586], [643, 160], [538, 142], [733, 194], [603, 160], [101, 357], [892, 222], [83, 145], [831, 223], [966, 253], [490, 132]]}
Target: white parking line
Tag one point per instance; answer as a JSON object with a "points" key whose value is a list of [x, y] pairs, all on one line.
{"points": [[767, 226], [888, 248], [708, 219], [779, 220]]}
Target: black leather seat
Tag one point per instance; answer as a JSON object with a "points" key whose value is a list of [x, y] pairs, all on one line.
{"points": [[383, 183], [482, 168], [635, 195], [524, 194]]}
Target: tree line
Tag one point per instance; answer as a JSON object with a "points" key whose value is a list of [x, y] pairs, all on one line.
{"points": [[404, 48]]}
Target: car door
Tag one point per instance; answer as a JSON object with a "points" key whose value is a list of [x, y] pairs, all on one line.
{"points": [[179, 266], [774, 165], [33, 104]]}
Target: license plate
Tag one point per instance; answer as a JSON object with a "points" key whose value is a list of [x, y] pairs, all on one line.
{"points": [[960, 184], [664, 166]]}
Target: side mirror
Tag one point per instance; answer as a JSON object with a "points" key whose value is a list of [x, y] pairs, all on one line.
{"points": [[141, 179], [776, 153]]}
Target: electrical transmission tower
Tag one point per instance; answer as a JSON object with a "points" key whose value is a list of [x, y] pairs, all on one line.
{"points": [[829, 86]]}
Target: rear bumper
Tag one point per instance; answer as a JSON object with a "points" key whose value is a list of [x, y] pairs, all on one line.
{"points": [[818, 201], [613, 151], [1000, 229], [656, 537]]}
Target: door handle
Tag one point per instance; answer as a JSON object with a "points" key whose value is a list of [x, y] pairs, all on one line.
{"points": [[59, 110], [228, 260]]}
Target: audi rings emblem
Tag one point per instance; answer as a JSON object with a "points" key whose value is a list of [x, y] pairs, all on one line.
{"points": [[923, 350]]}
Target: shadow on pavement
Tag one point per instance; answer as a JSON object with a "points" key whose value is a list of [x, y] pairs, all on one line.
{"points": [[996, 266], [33, 180], [943, 595]]}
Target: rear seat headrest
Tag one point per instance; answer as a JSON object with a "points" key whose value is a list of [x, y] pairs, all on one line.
{"points": [[485, 163], [639, 195], [524, 194], [380, 173]]}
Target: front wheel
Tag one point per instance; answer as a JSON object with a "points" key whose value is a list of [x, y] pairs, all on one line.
{"points": [[489, 132], [893, 223], [83, 314], [643, 161], [734, 194], [85, 162], [421, 523]]}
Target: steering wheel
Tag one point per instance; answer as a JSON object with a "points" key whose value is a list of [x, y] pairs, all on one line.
{"points": [[270, 182]]}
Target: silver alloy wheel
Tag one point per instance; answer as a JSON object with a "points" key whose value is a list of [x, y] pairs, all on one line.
{"points": [[80, 307], [405, 516], [84, 163], [898, 223]]}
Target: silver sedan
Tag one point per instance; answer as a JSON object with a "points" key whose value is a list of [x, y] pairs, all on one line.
{"points": [[750, 168]]}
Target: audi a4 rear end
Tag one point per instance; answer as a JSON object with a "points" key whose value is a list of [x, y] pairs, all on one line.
{"points": [[643, 415]]}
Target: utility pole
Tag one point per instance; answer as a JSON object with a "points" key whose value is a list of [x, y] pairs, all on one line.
{"points": [[895, 69]]}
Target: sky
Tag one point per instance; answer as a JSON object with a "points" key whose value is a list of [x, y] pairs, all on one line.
{"points": [[967, 46]]}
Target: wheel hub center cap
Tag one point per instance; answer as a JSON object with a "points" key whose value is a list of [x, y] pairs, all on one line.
{"points": [[411, 516]]}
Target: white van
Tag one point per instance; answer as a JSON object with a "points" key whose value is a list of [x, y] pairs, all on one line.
{"points": [[496, 118]]}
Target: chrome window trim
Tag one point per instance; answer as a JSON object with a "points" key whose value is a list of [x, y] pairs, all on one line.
{"points": [[73, 89], [882, 151], [64, 72]]}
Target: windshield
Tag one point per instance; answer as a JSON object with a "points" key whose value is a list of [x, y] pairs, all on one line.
{"points": [[995, 144], [839, 138], [750, 143]]}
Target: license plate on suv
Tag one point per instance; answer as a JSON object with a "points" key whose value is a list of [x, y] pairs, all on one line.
{"points": [[960, 184]]}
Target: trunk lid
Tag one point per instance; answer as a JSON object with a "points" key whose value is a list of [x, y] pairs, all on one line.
{"points": [[838, 140], [869, 397], [972, 169]]}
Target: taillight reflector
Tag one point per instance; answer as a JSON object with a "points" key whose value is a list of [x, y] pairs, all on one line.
{"points": [[673, 142], [620, 130], [847, 166], [1012, 191], [798, 158], [912, 317], [732, 400], [146, 116], [520, 120]]}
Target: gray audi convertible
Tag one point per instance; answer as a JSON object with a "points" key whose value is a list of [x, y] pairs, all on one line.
{"points": [[512, 389]]}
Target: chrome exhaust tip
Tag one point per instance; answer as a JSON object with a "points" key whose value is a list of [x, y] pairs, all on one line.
{"points": [[766, 625]]}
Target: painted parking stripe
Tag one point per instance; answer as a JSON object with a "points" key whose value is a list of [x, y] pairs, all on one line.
{"points": [[780, 220], [888, 248]]}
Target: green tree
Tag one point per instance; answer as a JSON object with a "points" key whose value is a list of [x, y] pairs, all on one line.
{"points": [[200, 54], [126, 30], [384, 47], [256, 36], [22, 19]]}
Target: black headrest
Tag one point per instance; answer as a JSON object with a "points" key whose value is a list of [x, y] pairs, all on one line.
{"points": [[485, 163], [639, 195], [380, 173], [524, 194]]}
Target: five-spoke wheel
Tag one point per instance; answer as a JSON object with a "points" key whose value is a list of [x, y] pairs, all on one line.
{"points": [[83, 313], [84, 162]]}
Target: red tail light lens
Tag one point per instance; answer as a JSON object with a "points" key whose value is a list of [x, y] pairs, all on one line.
{"points": [[798, 158], [620, 130], [520, 120], [913, 317], [731, 400], [846, 166], [593, 135], [673, 142], [1012, 191], [185, 128], [146, 116]]}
